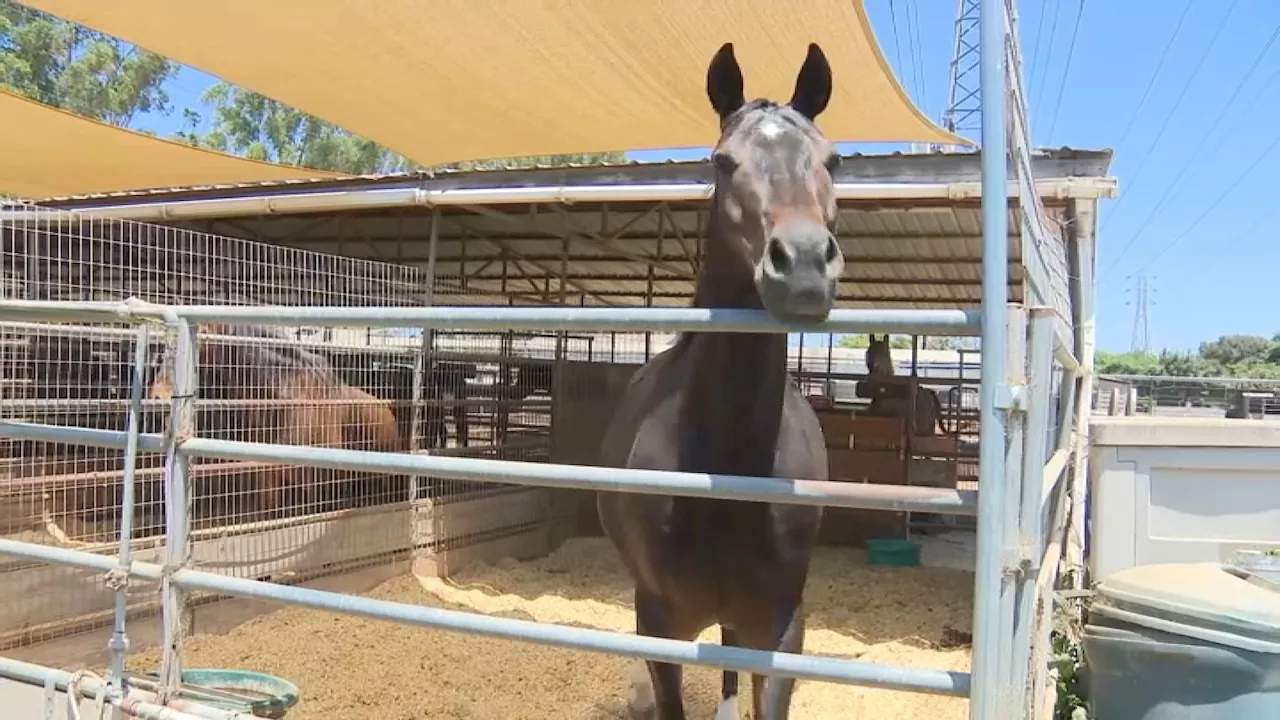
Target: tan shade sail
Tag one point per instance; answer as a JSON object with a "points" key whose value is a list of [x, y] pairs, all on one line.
{"points": [[447, 80], [47, 152]]}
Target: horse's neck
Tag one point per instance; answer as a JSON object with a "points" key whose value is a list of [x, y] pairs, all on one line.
{"points": [[736, 384]]}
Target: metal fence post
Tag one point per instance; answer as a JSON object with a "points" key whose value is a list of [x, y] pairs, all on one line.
{"points": [[988, 686], [182, 425], [119, 580], [1031, 536], [422, 365], [1011, 549]]}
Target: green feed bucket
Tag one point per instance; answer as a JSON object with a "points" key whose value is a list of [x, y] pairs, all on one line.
{"points": [[894, 552], [241, 691]]}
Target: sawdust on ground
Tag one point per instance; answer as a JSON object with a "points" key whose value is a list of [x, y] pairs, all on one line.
{"points": [[351, 667]]}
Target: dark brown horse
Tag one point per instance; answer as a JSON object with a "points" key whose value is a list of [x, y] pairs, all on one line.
{"points": [[447, 389], [927, 415], [723, 403]]}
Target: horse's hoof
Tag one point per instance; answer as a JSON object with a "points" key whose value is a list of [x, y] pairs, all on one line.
{"points": [[640, 701]]}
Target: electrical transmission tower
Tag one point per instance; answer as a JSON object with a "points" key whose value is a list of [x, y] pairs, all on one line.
{"points": [[1142, 301], [964, 100]]}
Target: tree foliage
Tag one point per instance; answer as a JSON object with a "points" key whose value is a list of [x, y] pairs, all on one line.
{"points": [[903, 342], [249, 124], [1250, 356], [84, 71]]}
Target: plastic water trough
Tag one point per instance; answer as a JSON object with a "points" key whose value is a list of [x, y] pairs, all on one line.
{"points": [[242, 691]]}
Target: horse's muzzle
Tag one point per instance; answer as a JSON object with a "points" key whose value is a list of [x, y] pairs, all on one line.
{"points": [[798, 274]]}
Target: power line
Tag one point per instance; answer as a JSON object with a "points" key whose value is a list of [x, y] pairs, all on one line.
{"points": [[1154, 74], [1223, 251], [1066, 73], [897, 42], [1164, 126], [1048, 57], [1035, 43], [1248, 171], [917, 51], [1222, 114]]}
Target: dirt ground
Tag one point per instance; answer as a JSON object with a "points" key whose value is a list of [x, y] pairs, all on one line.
{"points": [[348, 667]]}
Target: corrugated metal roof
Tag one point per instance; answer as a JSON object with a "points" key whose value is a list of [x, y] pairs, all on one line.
{"points": [[941, 166], [900, 254]]}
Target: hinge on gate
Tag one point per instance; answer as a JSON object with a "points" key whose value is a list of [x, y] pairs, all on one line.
{"points": [[1009, 397], [1017, 562]]}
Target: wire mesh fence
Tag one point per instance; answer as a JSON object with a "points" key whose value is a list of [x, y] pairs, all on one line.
{"points": [[1172, 396], [471, 394], [519, 396]]}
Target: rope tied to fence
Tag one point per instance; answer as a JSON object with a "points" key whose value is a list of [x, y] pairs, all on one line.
{"points": [[74, 695], [117, 580]]}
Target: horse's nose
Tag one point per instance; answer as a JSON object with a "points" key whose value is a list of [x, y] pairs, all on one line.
{"points": [[799, 272]]}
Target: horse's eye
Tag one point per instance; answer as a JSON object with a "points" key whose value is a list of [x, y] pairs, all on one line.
{"points": [[833, 161], [724, 162]]}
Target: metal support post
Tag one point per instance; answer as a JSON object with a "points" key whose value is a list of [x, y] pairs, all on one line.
{"points": [[119, 579], [422, 366], [182, 426], [988, 686], [1011, 550], [1031, 521], [1083, 260]]}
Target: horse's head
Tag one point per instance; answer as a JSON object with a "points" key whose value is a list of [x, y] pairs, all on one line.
{"points": [[879, 358], [774, 192]]}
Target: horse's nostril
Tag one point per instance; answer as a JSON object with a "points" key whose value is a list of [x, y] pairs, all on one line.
{"points": [[833, 250], [778, 256]]}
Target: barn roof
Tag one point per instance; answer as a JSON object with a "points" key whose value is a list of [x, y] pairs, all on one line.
{"points": [[909, 226], [461, 80]]}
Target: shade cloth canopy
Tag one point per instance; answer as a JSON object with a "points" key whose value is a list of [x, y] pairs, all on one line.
{"points": [[449, 80], [47, 152]]}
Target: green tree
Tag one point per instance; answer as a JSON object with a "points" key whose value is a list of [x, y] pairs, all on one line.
{"points": [[897, 342], [1134, 363], [247, 123], [1185, 364], [84, 71], [1233, 350]]}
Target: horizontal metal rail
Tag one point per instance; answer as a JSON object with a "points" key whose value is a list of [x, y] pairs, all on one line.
{"points": [[137, 703], [863, 496], [372, 198], [918, 322], [805, 667], [482, 396]]}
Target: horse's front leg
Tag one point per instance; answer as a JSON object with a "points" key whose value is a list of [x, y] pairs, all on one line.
{"points": [[662, 700], [771, 695]]}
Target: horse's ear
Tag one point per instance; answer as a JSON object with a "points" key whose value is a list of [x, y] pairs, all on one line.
{"points": [[813, 84], [724, 82]]}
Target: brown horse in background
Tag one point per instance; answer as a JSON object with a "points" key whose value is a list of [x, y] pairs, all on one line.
{"points": [[928, 410], [289, 380]]}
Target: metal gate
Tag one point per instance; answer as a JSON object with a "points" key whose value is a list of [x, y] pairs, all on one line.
{"points": [[1030, 422]]}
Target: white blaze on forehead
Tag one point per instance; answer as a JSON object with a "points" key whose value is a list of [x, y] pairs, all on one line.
{"points": [[771, 129]]}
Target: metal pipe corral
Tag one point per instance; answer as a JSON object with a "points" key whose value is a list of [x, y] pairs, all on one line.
{"points": [[988, 686], [866, 496], [623, 319], [135, 704], [809, 667]]}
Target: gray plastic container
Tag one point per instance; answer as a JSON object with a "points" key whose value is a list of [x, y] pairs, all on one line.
{"points": [[1184, 642]]}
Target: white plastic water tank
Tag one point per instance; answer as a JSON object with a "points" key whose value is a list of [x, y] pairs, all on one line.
{"points": [[1179, 490]]}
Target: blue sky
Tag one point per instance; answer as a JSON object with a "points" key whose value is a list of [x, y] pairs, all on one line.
{"points": [[1196, 212]]}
